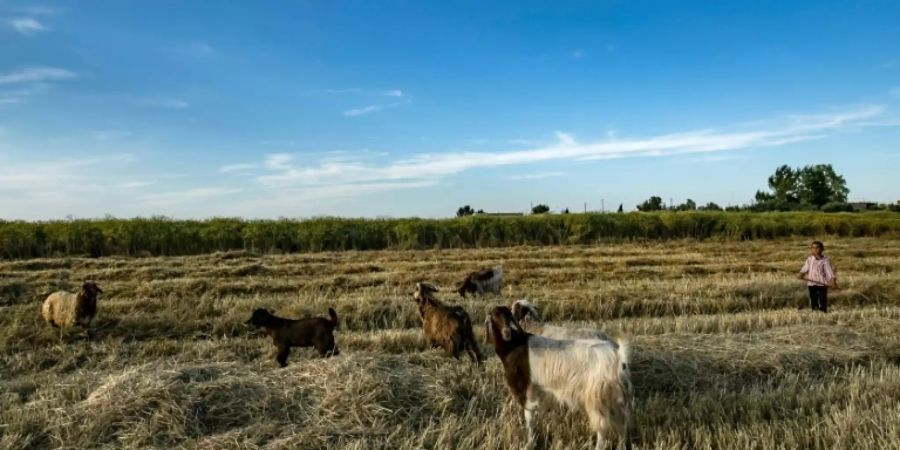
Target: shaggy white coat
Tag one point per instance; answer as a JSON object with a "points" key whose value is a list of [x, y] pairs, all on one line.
{"points": [[535, 326], [586, 374]]}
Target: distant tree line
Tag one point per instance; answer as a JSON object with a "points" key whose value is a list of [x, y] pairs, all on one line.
{"points": [[159, 236], [810, 188]]}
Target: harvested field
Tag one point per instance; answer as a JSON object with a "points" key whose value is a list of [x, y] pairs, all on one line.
{"points": [[722, 357]]}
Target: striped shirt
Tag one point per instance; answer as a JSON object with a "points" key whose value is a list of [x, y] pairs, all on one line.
{"points": [[818, 271]]}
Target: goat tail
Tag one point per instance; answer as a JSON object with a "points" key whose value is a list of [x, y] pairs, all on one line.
{"points": [[334, 317]]}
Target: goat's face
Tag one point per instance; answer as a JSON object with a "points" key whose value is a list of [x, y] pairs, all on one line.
{"points": [[423, 291], [523, 311], [91, 289], [502, 320], [467, 286], [260, 318]]}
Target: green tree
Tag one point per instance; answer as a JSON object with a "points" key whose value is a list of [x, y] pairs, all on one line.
{"points": [[820, 184], [785, 185], [620, 208], [540, 209], [465, 211], [711, 206], [689, 205], [654, 203]]}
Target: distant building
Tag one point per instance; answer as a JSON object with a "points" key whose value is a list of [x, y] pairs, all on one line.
{"points": [[863, 206], [501, 214]]}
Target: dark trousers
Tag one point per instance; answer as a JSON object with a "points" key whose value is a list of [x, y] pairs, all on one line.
{"points": [[818, 298]]}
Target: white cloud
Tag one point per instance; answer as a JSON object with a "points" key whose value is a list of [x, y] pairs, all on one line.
{"points": [[197, 50], [36, 74], [336, 91], [280, 172], [394, 93], [189, 195], [237, 168], [535, 176], [364, 110], [577, 54], [895, 92], [170, 103], [718, 158], [56, 176], [40, 10], [371, 109], [27, 26]]}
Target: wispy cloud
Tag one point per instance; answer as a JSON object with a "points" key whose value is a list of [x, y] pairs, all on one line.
{"points": [[27, 26], [364, 110], [377, 97], [36, 74], [719, 158], [281, 171], [242, 167], [329, 91], [197, 49], [170, 103], [40, 10], [535, 176], [577, 54], [55, 176], [21, 94], [895, 92], [189, 195]]}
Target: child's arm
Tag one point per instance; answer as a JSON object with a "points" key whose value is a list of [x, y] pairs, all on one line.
{"points": [[804, 270], [830, 276]]}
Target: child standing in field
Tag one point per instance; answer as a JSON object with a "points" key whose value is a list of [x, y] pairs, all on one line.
{"points": [[819, 276]]}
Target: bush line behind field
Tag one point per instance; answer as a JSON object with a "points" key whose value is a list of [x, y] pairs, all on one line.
{"points": [[169, 237]]}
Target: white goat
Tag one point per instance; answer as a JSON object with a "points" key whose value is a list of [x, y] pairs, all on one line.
{"points": [[587, 374], [481, 281], [528, 315]]}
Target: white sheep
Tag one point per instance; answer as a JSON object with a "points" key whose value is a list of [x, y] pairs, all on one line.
{"points": [[587, 374], [528, 315], [65, 309]]}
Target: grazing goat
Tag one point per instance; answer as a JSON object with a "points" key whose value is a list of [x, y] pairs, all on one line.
{"points": [[446, 326], [315, 332], [586, 374], [485, 280], [65, 309], [527, 315]]}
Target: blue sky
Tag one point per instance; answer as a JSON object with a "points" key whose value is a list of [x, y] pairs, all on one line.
{"points": [[298, 109]]}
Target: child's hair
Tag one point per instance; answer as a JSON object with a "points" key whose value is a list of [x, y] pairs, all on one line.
{"points": [[819, 244]]}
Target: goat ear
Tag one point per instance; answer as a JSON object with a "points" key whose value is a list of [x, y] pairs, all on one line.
{"points": [[515, 323], [534, 313], [506, 332]]}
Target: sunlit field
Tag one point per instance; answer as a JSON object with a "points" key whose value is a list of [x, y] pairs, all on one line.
{"points": [[722, 356]]}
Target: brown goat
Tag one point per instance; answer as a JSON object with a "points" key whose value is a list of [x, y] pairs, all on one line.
{"points": [[446, 326], [64, 309], [315, 332]]}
